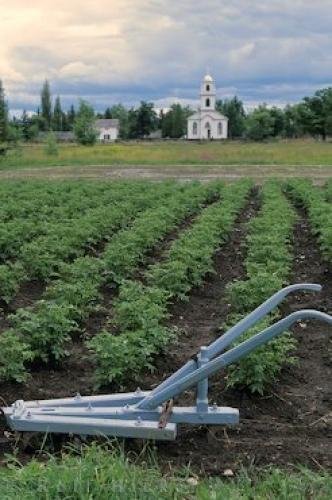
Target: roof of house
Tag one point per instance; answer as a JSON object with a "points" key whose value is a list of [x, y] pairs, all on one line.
{"points": [[107, 123], [213, 113]]}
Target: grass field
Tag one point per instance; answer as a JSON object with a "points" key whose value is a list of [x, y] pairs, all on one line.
{"points": [[102, 475], [156, 154]]}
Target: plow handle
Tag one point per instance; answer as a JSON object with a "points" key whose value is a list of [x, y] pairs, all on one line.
{"points": [[234, 354]]}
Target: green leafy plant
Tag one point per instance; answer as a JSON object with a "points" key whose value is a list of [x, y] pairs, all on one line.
{"points": [[268, 264], [141, 310]]}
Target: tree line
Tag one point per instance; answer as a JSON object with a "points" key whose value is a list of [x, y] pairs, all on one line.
{"points": [[312, 116]]}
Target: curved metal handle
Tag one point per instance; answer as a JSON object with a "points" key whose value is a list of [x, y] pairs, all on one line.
{"points": [[233, 333], [229, 357]]}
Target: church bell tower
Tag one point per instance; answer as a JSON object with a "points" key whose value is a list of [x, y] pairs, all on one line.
{"points": [[208, 94]]}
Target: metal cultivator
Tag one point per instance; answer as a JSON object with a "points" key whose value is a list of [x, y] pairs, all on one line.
{"points": [[151, 414]]}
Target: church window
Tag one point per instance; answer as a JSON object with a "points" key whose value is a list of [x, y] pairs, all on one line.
{"points": [[219, 128], [207, 88], [207, 102], [194, 128]]}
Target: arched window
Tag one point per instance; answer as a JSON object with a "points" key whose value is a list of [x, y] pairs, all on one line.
{"points": [[207, 125], [207, 102], [208, 88], [194, 128], [219, 128]]}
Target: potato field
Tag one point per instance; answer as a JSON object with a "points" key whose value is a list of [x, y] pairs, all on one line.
{"points": [[106, 286]]}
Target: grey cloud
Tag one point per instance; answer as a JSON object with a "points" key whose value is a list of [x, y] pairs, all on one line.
{"points": [[273, 51]]}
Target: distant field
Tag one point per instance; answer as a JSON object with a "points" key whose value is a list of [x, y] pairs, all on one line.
{"points": [[175, 153]]}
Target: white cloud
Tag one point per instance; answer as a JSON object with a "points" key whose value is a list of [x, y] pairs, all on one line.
{"points": [[132, 49]]}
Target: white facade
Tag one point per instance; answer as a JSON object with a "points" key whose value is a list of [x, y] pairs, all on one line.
{"points": [[108, 130], [207, 123]]}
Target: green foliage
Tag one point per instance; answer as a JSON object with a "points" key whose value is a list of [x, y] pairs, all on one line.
{"points": [[319, 210], [58, 117], [130, 245], [51, 146], [102, 473], [328, 191], [46, 105], [84, 124], [174, 121], [316, 113], [140, 310], [11, 275], [261, 368], [3, 115], [46, 327], [234, 110], [142, 121], [268, 265], [260, 124], [14, 354]]}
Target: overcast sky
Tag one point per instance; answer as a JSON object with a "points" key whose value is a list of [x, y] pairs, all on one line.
{"points": [[110, 51]]}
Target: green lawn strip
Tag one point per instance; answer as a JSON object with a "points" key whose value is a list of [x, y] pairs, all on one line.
{"points": [[103, 474], [319, 211], [268, 266], [160, 153], [42, 257], [140, 310], [42, 331]]}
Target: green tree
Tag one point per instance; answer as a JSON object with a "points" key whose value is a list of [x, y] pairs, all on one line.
{"points": [[146, 119], [57, 118], [278, 117], [46, 105], [3, 115], [234, 110], [316, 113], [71, 115], [119, 112], [14, 133], [84, 125], [108, 113], [51, 146], [132, 124], [260, 124], [174, 122]]}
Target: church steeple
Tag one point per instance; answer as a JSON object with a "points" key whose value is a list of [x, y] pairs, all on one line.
{"points": [[208, 94]]}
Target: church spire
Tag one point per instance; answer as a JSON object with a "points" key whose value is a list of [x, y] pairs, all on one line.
{"points": [[208, 93]]}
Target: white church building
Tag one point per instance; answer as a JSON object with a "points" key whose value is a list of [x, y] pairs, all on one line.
{"points": [[207, 123]]}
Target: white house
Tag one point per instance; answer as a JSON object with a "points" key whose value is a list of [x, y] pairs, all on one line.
{"points": [[108, 129], [207, 123]]}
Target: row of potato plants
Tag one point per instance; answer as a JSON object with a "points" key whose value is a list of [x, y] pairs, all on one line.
{"points": [[43, 257], [328, 191], [141, 309], [49, 200], [42, 332], [268, 265], [319, 211], [45, 217]]}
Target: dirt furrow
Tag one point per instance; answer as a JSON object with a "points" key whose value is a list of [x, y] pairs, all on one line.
{"points": [[291, 424]]}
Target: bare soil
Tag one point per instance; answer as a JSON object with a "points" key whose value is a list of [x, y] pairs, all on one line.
{"points": [[319, 173]]}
